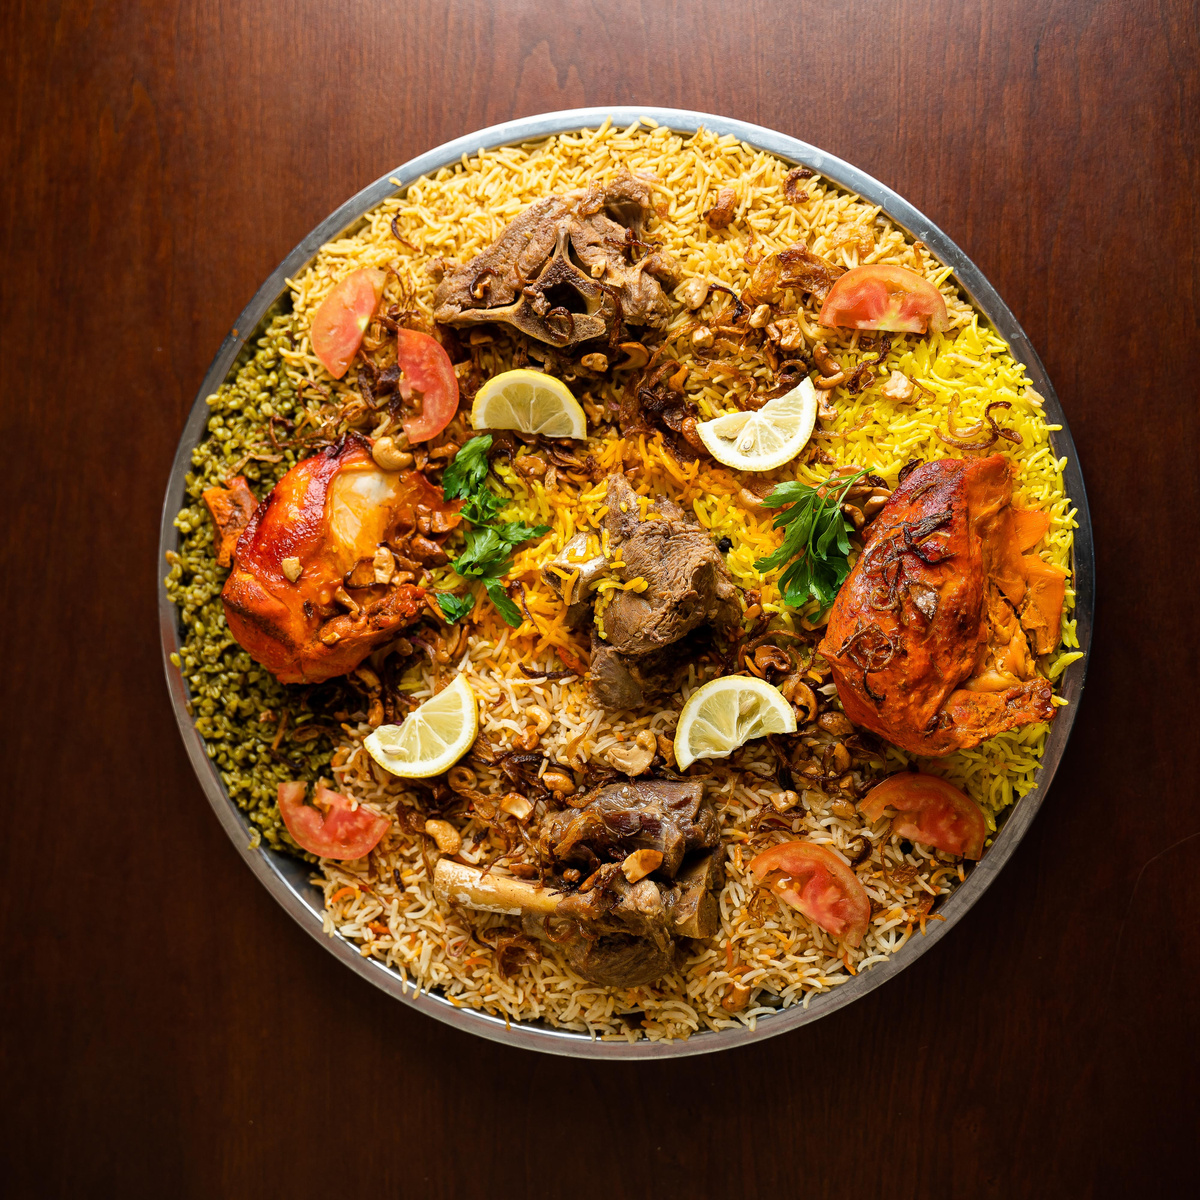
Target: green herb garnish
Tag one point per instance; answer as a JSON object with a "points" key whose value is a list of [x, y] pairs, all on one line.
{"points": [[454, 608], [465, 475], [489, 545], [817, 538]]}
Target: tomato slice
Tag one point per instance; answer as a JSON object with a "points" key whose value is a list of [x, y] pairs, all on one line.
{"points": [[329, 827], [428, 372], [931, 811], [817, 882], [341, 320], [884, 297]]}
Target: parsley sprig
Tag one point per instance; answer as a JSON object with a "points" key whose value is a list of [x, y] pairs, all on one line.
{"points": [[489, 544], [816, 541]]}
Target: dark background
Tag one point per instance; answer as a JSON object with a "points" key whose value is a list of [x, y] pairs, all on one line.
{"points": [[166, 1029]]}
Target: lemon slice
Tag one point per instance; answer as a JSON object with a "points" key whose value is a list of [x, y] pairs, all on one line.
{"points": [[763, 440], [530, 402], [432, 738], [726, 714]]}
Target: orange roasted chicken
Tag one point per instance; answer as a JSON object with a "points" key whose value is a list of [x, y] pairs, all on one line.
{"points": [[325, 571], [934, 635]]}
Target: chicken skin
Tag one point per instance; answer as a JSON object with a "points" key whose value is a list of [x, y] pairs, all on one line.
{"points": [[934, 636], [315, 585]]}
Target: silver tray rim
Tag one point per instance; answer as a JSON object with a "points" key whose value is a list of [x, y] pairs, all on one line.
{"points": [[286, 878]]}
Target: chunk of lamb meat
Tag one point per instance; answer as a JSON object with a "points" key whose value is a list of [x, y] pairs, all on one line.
{"points": [[626, 681], [688, 588], [576, 243], [672, 817], [695, 910], [613, 933]]}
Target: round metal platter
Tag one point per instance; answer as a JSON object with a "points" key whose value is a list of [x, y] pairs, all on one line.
{"points": [[287, 878]]}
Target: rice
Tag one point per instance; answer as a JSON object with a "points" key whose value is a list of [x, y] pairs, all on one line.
{"points": [[386, 903]]}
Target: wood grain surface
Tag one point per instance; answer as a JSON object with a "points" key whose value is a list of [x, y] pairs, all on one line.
{"points": [[166, 1029]]}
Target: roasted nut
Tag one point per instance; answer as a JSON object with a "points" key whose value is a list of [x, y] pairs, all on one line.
{"points": [[826, 363], [836, 723], [388, 456], [539, 716], [292, 570], [694, 293], [666, 748], [702, 338], [854, 515], [874, 503], [826, 409], [428, 551], [595, 362], [843, 809], [830, 381], [462, 780], [383, 565], [784, 801], [528, 740], [760, 317], [523, 870], [676, 381], [898, 386], [804, 701], [812, 770], [640, 863], [691, 434], [447, 838], [790, 337], [636, 758], [344, 598], [737, 996], [840, 758], [375, 713], [447, 450], [530, 465], [749, 499], [636, 355], [516, 805], [558, 781]]}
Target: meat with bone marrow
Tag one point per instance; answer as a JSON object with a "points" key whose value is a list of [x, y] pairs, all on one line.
{"points": [[612, 931], [563, 272], [688, 589]]}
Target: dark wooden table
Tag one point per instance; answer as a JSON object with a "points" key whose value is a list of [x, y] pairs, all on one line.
{"points": [[166, 1029]]}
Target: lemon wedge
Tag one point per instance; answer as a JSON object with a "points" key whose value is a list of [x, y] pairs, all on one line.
{"points": [[725, 714], [432, 737], [530, 402], [763, 440]]}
